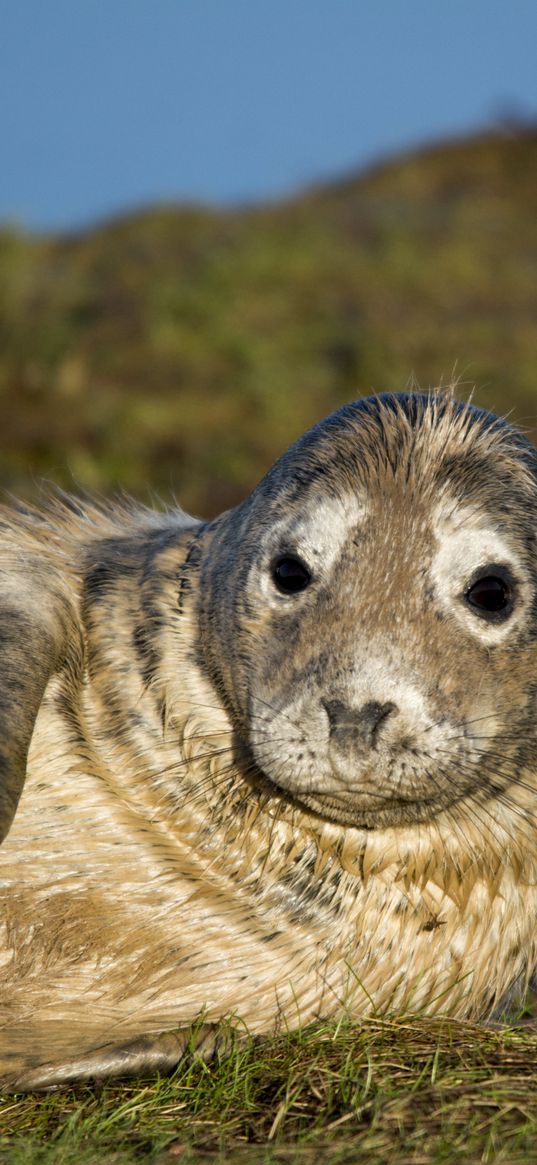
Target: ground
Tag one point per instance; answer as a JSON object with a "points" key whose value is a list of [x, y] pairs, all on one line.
{"points": [[407, 1090]]}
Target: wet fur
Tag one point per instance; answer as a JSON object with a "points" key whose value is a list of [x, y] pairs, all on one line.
{"points": [[154, 871]]}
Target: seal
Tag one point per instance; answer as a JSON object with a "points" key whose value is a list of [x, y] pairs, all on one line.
{"points": [[278, 766]]}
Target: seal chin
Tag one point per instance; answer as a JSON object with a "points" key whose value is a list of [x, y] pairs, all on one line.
{"points": [[358, 810], [368, 811]]}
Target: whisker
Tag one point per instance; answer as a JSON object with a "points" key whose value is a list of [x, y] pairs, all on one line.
{"points": [[475, 798], [278, 712], [510, 775]]}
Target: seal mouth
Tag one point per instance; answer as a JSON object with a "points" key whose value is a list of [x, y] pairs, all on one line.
{"points": [[361, 811], [368, 810]]}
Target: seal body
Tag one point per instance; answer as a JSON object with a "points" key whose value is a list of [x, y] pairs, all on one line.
{"points": [[275, 767]]}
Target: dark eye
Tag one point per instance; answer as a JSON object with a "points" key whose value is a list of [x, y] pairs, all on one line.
{"points": [[290, 575], [491, 596]]}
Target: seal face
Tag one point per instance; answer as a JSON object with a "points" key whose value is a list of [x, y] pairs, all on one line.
{"points": [[277, 766], [384, 575]]}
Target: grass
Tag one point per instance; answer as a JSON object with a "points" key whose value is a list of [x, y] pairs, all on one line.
{"points": [[413, 1091]]}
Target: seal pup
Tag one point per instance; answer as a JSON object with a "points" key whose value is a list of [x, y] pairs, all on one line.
{"points": [[277, 766]]}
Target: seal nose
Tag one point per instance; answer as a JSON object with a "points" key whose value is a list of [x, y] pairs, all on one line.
{"points": [[356, 724]]}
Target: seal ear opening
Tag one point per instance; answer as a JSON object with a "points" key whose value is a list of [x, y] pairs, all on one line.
{"points": [[37, 622]]}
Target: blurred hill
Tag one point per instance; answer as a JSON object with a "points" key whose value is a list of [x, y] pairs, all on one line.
{"points": [[181, 349]]}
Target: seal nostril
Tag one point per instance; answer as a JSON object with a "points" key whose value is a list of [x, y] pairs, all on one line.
{"points": [[371, 716], [358, 723]]}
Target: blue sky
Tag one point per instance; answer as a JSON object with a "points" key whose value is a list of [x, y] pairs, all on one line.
{"points": [[107, 105]]}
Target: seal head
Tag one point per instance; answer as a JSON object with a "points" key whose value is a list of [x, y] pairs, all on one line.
{"points": [[362, 611]]}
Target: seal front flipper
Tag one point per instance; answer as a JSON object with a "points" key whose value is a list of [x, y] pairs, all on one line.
{"points": [[38, 632], [143, 1056]]}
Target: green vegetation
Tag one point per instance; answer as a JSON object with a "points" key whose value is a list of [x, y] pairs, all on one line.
{"points": [[179, 350], [411, 1092]]}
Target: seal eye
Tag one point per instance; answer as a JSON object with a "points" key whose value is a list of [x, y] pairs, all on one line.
{"points": [[491, 597], [290, 575]]}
